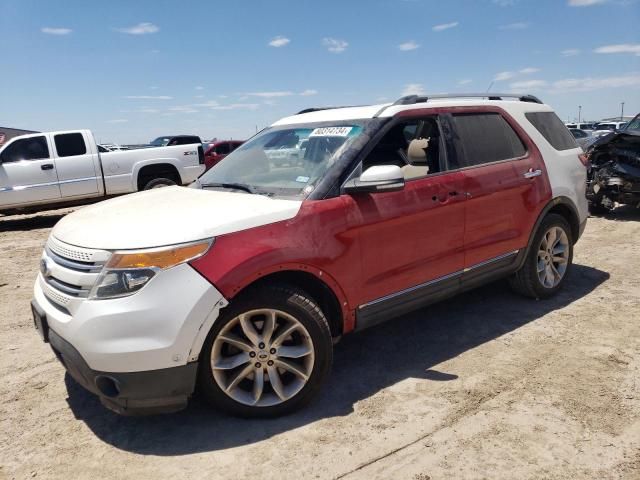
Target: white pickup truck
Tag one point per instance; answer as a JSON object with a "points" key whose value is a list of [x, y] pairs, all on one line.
{"points": [[43, 170]]}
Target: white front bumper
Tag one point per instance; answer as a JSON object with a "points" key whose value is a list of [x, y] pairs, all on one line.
{"points": [[163, 325]]}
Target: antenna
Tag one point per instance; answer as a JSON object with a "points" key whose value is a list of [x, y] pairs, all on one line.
{"points": [[490, 85]]}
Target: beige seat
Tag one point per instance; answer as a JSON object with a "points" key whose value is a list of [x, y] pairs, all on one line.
{"points": [[417, 156]]}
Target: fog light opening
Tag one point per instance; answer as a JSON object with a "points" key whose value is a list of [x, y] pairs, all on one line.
{"points": [[107, 386]]}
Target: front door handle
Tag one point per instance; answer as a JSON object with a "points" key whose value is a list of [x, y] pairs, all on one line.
{"points": [[47, 166], [532, 173]]}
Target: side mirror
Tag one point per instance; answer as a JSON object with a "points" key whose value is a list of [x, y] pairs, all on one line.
{"points": [[379, 178]]}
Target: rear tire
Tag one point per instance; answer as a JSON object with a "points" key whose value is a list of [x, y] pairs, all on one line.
{"points": [[548, 261], [267, 355], [159, 182]]}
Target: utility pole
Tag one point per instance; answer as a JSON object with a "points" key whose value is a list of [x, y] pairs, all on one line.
{"points": [[579, 112], [622, 112]]}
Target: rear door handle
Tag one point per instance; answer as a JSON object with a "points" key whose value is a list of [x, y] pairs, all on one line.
{"points": [[532, 173], [47, 166]]}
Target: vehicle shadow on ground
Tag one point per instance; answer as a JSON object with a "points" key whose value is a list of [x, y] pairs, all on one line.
{"points": [[364, 364], [19, 223], [623, 213]]}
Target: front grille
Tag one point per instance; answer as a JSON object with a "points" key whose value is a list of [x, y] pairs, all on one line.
{"points": [[70, 272], [69, 251], [72, 264], [68, 288], [54, 296]]}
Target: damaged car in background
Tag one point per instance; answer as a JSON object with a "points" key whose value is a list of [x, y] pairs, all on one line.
{"points": [[614, 175]]}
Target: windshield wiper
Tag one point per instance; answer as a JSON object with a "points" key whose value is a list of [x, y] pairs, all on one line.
{"points": [[235, 186]]}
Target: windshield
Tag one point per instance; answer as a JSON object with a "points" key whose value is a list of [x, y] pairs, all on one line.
{"points": [[160, 141], [284, 161], [633, 126], [606, 126]]}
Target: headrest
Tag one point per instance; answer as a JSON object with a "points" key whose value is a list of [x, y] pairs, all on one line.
{"points": [[417, 151]]}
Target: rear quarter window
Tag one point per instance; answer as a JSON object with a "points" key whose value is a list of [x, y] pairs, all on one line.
{"points": [[552, 129], [485, 138]]}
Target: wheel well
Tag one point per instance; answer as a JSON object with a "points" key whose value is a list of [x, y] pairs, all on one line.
{"points": [[317, 289], [159, 170], [570, 216]]}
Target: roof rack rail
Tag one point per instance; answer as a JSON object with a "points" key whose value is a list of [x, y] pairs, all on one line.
{"points": [[313, 109], [319, 109], [412, 99]]}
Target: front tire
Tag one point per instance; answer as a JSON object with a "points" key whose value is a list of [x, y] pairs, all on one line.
{"points": [[267, 355], [548, 261]]}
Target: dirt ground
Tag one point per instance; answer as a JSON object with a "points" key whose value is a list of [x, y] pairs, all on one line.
{"points": [[486, 385]]}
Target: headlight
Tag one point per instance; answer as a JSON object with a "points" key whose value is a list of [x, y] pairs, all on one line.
{"points": [[126, 272]]}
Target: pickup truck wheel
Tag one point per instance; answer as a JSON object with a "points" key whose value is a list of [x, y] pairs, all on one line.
{"points": [[267, 355], [548, 261], [158, 183]]}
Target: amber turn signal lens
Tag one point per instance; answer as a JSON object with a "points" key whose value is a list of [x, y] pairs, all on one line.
{"points": [[158, 258]]}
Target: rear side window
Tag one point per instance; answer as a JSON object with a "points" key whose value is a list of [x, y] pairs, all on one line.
{"points": [[485, 138], [222, 149], [186, 140], [32, 148], [552, 129], [70, 144]]}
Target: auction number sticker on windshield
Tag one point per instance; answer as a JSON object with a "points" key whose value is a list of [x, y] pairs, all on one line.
{"points": [[331, 132]]}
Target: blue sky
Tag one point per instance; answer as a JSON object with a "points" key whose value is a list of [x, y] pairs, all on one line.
{"points": [[131, 71]]}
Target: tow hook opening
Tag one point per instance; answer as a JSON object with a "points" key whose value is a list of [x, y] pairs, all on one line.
{"points": [[108, 386]]}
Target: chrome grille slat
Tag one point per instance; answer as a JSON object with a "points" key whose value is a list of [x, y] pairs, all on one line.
{"points": [[69, 271], [66, 252], [68, 289], [73, 265], [79, 254], [53, 295]]}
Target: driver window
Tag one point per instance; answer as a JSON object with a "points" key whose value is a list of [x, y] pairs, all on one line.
{"points": [[413, 145], [31, 148]]}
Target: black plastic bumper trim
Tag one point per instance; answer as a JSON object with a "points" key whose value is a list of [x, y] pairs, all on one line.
{"points": [[136, 393]]}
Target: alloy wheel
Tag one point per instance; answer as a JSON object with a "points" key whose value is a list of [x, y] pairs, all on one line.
{"points": [[262, 357], [553, 257]]}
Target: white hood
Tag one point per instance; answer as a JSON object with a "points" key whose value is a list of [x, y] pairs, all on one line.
{"points": [[169, 215]]}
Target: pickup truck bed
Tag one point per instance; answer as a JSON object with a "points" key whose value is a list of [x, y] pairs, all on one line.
{"points": [[44, 170]]}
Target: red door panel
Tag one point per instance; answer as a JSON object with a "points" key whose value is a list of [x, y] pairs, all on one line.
{"points": [[411, 236], [502, 206]]}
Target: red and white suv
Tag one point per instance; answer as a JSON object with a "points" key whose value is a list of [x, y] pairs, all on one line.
{"points": [[243, 283]]}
